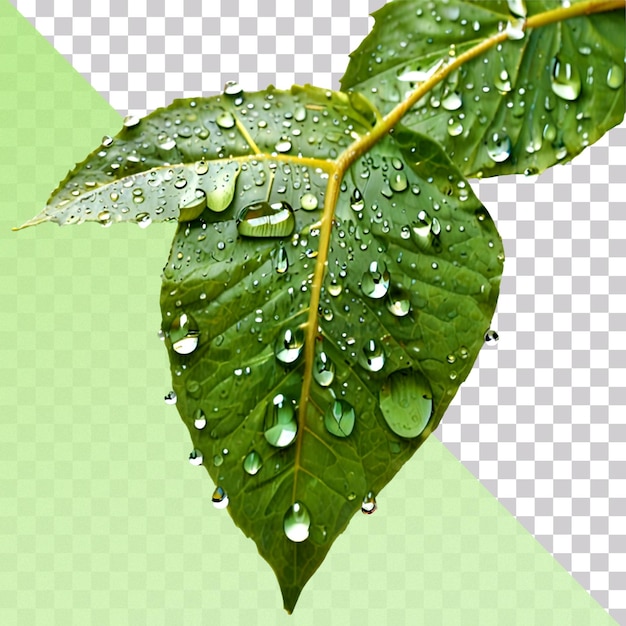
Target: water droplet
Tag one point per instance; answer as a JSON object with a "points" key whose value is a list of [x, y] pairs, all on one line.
{"points": [[503, 82], [323, 370], [614, 77], [372, 356], [107, 141], [356, 200], [130, 121], [398, 182], [375, 282], [253, 463], [491, 337], [339, 418], [104, 217], [184, 334], [334, 288], [170, 397], [262, 219], [515, 28], [192, 205], [455, 128], [201, 167], [297, 523], [195, 457], [368, 506], [281, 261], [232, 88], [406, 402], [565, 80], [288, 346], [219, 498], [199, 420], [225, 120], [517, 7], [452, 102], [143, 220], [398, 302], [309, 202], [284, 145], [218, 459], [281, 425], [299, 114], [499, 147]]}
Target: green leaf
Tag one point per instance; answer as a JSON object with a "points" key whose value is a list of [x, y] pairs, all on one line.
{"points": [[524, 105], [282, 417]]}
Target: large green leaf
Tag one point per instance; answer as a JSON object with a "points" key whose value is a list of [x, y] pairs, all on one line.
{"points": [[318, 319], [527, 103]]}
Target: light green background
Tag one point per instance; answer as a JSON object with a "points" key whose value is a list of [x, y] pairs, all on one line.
{"points": [[102, 520]]}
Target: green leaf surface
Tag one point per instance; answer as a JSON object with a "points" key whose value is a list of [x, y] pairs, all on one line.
{"points": [[538, 98], [413, 272]]}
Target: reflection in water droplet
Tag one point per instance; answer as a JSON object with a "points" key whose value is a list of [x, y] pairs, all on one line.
{"points": [[375, 282], [615, 77], [491, 337], [565, 80], [398, 182], [297, 522], [288, 346], [499, 147], [339, 418], [195, 457], [455, 128], [219, 498], [406, 402], [323, 370], [170, 397], [368, 506], [372, 356], [281, 425], [184, 334], [253, 463], [309, 202], [199, 420], [262, 219]]}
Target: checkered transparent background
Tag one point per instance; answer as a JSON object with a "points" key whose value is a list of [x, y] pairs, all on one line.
{"points": [[540, 421]]}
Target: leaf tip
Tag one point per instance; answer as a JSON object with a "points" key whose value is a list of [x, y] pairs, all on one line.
{"points": [[38, 219]]}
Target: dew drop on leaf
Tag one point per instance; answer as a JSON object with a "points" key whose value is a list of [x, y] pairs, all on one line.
{"points": [[219, 498], [170, 397], [191, 205], [615, 77], [517, 7], [339, 418], [398, 181], [130, 121], [375, 281], [225, 120], [398, 302], [262, 219], [195, 457], [289, 345], [323, 370], [356, 200], [309, 202], [372, 356], [297, 523], [281, 261], [253, 463], [281, 425], [499, 147], [368, 506], [491, 337], [406, 402], [452, 102], [199, 419], [232, 88], [184, 334], [565, 80]]}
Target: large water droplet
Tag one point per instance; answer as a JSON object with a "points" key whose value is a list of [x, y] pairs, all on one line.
{"points": [[289, 344], [356, 200], [195, 457], [281, 261], [220, 188], [375, 282], [170, 397], [502, 82], [615, 77], [191, 205], [565, 79], [398, 302], [406, 402], [398, 181], [219, 498], [368, 506], [281, 425], [297, 522], [232, 88], [184, 334], [452, 101], [339, 418], [323, 370], [284, 145], [499, 147], [225, 120], [262, 219], [309, 202], [372, 356], [253, 463], [130, 121], [199, 420]]}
